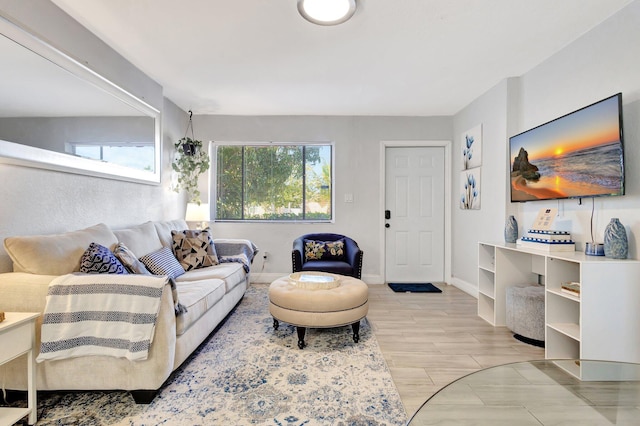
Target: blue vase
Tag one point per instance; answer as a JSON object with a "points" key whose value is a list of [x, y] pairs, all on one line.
{"points": [[616, 245], [511, 230]]}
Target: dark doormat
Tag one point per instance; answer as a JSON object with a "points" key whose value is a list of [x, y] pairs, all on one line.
{"points": [[414, 288]]}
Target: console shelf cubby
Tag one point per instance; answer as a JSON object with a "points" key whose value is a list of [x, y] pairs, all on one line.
{"points": [[486, 278], [600, 323]]}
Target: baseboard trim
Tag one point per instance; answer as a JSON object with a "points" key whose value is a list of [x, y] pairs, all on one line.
{"points": [[266, 277], [467, 287]]}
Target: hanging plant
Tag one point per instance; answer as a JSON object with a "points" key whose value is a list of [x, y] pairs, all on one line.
{"points": [[189, 163]]}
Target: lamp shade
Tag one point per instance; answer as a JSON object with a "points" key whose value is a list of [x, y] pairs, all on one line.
{"points": [[197, 213]]}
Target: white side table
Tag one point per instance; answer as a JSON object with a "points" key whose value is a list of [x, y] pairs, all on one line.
{"points": [[17, 338]]}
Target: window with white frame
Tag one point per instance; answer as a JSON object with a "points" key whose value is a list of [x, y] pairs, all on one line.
{"points": [[272, 181]]}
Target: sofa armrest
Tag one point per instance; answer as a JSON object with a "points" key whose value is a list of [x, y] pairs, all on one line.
{"points": [[297, 255], [24, 292], [357, 265], [234, 247], [352, 251], [354, 257]]}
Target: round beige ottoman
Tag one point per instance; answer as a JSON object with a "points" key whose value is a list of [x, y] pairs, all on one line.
{"points": [[345, 304]]}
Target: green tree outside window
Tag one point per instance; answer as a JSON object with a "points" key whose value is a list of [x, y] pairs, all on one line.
{"points": [[273, 182]]}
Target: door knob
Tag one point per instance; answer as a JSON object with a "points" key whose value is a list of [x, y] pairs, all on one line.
{"points": [[386, 225]]}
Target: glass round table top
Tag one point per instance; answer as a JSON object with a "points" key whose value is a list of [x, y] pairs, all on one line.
{"points": [[545, 392]]}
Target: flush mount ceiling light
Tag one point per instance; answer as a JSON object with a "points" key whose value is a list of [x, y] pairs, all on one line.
{"points": [[327, 12]]}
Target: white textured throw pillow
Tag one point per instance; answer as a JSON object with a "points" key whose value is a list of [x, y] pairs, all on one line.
{"points": [[162, 262]]}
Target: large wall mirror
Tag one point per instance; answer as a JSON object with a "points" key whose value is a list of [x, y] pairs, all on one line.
{"points": [[57, 114]]}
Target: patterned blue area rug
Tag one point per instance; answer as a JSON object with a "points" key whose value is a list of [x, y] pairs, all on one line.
{"points": [[249, 374]]}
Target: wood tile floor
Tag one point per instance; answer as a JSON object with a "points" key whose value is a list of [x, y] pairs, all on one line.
{"points": [[431, 339]]}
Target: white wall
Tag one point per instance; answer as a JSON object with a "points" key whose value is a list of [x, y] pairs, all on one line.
{"points": [[487, 223], [35, 201], [601, 63], [357, 171]]}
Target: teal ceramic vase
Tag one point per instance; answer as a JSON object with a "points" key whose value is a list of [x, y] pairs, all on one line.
{"points": [[616, 245], [511, 230]]}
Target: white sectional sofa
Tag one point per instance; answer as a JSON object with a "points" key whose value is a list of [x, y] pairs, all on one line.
{"points": [[208, 293]]}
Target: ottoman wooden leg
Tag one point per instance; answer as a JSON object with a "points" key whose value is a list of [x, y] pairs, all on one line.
{"points": [[356, 331], [276, 324], [301, 331]]}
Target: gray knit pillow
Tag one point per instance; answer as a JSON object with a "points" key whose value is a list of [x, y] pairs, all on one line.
{"points": [[129, 260]]}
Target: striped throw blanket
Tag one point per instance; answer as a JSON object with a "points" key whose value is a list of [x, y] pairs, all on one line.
{"points": [[236, 250], [100, 314]]}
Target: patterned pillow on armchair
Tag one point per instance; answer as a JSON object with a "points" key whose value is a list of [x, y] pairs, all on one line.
{"points": [[324, 250]]}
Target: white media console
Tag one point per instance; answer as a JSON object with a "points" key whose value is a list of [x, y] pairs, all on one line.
{"points": [[602, 323]]}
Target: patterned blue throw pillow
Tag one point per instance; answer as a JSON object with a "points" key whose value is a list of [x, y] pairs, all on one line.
{"points": [[98, 259]]}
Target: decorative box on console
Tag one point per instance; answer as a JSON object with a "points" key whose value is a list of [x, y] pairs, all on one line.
{"points": [[542, 237], [547, 240]]}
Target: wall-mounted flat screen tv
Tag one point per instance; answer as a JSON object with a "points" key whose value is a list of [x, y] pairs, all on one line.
{"points": [[578, 155]]}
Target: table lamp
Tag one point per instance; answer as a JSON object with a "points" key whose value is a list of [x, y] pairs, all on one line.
{"points": [[198, 213]]}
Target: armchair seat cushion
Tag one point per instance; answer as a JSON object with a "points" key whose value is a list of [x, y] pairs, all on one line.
{"points": [[335, 266]]}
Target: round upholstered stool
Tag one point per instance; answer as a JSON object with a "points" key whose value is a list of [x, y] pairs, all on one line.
{"points": [[525, 313], [347, 303]]}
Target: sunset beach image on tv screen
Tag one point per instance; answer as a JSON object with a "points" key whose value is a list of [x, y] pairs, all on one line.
{"points": [[577, 155]]}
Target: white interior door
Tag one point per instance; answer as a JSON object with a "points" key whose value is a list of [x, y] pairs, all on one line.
{"points": [[414, 215]]}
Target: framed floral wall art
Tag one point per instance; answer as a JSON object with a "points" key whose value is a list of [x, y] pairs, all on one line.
{"points": [[470, 189], [472, 148]]}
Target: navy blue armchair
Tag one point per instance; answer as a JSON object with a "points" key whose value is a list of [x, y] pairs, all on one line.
{"points": [[348, 262]]}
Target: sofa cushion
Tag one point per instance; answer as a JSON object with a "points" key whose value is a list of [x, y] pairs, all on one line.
{"points": [[194, 249], [98, 259], [141, 239], [198, 297], [162, 262], [324, 250], [130, 260], [56, 254], [231, 273], [164, 230]]}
